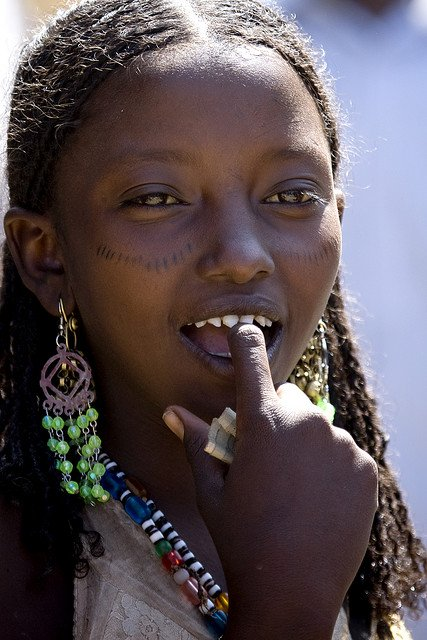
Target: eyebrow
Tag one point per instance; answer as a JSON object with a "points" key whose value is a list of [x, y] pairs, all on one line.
{"points": [[312, 152], [165, 156], [186, 158]]}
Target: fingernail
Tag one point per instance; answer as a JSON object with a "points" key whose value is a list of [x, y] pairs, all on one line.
{"points": [[172, 421]]}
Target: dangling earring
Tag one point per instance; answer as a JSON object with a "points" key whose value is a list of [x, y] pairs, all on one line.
{"points": [[66, 381], [312, 371]]}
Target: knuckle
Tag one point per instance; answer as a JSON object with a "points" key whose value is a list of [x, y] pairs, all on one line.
{"points": [[194, 446]]}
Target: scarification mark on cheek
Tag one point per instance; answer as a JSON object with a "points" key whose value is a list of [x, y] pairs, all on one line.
{"points": [[148, 263]]}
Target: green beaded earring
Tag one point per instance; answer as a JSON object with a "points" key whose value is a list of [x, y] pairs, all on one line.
{"points": [[66, 381], [312, 372]]}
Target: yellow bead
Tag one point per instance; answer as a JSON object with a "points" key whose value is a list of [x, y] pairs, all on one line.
{"points": [[221, 602]]}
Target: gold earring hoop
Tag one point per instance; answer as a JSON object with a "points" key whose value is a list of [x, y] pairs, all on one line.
{"points": [[311, 373]]}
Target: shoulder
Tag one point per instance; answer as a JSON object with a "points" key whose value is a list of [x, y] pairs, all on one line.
{"points": [[33, 606]]}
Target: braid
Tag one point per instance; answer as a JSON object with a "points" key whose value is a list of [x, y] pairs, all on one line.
{"points": [[58, 73], [393, 573], [26, 470]]}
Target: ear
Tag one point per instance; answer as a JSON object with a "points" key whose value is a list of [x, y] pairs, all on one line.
{"points": [[340, 200], [33, 243]]}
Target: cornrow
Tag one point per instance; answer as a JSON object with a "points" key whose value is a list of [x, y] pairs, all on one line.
{"points": [[59, 71]]}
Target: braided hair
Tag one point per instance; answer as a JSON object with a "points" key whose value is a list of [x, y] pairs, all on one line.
{"points": [[59, 71]]}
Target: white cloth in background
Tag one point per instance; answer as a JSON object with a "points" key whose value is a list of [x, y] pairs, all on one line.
{"points": [[380, 67]]}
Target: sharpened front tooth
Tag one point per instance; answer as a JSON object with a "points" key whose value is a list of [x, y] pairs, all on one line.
{"points": [[246, 319], [230, 321], [260, 320], [200, 324], [215, 321], [268, 322]]}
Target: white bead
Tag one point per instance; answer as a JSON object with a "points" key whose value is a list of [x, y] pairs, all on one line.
{"points": [[206, 606], [204, 579], [181, 576], [188, 556], [214, 591], [196, 566], [157, 515], [165, 527], [147, 524], [179, 545], [156, 536], [124, 494]]}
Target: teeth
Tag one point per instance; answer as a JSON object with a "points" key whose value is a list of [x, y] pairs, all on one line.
{"points": [[230, 321], [215, 321]]}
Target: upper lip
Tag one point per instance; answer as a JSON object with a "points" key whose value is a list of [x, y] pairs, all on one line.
{"points": [[240, 306]]}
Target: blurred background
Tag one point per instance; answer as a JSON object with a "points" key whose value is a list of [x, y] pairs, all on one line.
{"points": [[377, 53]]}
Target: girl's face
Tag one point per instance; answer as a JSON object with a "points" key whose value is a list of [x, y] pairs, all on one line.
{"points": [[198, 186]]}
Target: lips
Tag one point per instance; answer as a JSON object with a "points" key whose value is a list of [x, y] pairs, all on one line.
{"points": [[210, 335]]}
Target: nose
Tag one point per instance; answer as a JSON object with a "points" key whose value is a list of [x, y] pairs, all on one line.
{"points": [[235, 246]]}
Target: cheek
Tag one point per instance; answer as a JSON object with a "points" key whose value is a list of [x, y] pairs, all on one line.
{"points": [[311, 252], [310, 264]]}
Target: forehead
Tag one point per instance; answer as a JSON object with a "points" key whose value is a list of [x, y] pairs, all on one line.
{"points": [[195, 95]]}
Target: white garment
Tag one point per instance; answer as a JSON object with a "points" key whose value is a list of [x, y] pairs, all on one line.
{"points": [[128, 595], [380, 66]]}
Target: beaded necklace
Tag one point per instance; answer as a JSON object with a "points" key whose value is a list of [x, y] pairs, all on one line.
{"points": [[187, 572]]}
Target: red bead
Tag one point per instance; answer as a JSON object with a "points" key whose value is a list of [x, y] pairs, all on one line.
{"points": [[171, 559], [191, 591]]}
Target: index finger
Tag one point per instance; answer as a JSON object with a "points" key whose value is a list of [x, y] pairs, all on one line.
{"points": [[254, 385]]}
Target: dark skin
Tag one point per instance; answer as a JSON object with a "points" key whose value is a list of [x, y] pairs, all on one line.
{"points": [[224, 152]]}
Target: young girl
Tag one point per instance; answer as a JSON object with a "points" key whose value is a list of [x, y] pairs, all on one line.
{"points": [[173, 240]]}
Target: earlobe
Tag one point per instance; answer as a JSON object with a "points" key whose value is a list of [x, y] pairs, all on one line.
{"points": [[34, 246], [340, 200]]}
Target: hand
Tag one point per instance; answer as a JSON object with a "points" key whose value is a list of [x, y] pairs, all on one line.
{"points": [[292, 515]]}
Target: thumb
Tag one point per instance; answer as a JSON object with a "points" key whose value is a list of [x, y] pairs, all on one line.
{"points": [[208, 472], [254, 385]]}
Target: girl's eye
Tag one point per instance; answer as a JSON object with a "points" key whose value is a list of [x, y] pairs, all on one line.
{"points": [[293, 196], [154, 200]]}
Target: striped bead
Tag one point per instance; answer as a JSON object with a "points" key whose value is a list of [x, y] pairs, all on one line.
{"points": [[180, 546], [214, 591], [156, 536], [188, 557], [207, 606], [148, 525], [151, 505], [157, 515], [204, 578], [188, 573], [195, 565]]}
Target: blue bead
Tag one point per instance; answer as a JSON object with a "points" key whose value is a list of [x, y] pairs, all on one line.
{"points": [[137, 509], [114, 485], [217, 622]]}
